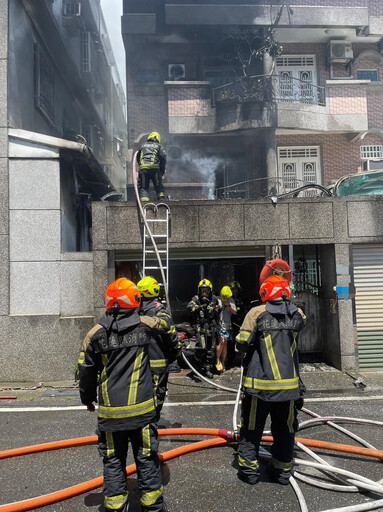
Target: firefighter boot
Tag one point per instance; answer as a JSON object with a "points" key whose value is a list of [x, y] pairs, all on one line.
{"points": [[279, 475]]}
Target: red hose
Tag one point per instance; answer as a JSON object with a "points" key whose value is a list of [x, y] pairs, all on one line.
{"points": [[70, 492], [225, 437]]}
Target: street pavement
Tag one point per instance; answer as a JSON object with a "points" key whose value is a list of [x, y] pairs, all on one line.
{"points": [[200, 482]]}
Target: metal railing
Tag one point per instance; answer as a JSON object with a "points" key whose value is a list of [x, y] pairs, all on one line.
{"points": [[268, 88]]}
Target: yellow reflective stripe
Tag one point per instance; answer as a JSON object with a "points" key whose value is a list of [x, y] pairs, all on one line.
{"points": [[158, 363], [290, 419], [272, 358], [251, 464], [163, 313], [146, 447], [243, 336], [163, 324], [293, 349], [115, 502], [284, 466], [109, 444], [149, 498], [172, 329], [81, 358], [149, 166], [270, 385], [253, 412], [154, 154], [104, 381], [127, 411], [133, 388]]}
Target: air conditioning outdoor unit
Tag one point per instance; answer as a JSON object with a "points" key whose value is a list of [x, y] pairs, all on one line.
{"points": [[372, 165], [340, 52], [176, 71]]}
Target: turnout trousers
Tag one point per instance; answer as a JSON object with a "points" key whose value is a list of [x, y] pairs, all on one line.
{"points": [[284, 424], [144, 178], [113, 447], [160, 382]]}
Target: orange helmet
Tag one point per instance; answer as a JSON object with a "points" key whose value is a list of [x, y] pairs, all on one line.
{"points": [[273, 288], [124, 293]]}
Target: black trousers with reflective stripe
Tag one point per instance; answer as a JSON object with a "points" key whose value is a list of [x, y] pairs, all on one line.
{"points": [[144, 178], [284, 424], [113, 447], [161, 387]]}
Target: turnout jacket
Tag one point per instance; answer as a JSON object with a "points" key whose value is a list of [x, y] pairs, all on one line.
{"points": [[165, 346], [115, 358], [205, 311], [151, 156], [268, 337]]}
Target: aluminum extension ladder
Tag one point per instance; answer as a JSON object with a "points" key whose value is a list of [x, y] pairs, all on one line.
{"points": [[155, 255]]}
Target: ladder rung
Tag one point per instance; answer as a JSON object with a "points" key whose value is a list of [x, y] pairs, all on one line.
{"points": [[157, 236], [156, 220], [150, 251], [155, 268]]}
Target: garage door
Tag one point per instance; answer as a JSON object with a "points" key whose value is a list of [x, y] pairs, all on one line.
{"points": [[368, 280]]}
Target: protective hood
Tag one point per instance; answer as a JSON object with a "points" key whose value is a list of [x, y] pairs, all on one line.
{"points": [[121, 321], [281, 307]]}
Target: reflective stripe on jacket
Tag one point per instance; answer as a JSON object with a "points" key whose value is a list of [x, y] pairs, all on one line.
{"points": [[151, 156], [118, 363], [268, 337]]}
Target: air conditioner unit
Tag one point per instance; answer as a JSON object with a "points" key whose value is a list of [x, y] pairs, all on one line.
{"points": [[340, 52], [176, 71], [372, 165]]}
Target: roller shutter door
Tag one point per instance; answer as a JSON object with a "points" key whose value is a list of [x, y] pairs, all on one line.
{"points": [[368, 280]]}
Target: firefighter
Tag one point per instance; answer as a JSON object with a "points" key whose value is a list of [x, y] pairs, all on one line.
{"points": [[236, 320], [151, 159], [271, 384], [115, 357], [165, 347], [204, 308]]}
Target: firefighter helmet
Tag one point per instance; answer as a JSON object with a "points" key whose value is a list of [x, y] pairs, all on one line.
{"points": [[235, 284], [155, 135], [123, 293], [275, 287], [226, 293], [149, 287], [205, 289]]}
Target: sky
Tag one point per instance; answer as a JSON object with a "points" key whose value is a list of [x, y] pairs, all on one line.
{"points": [[112, 10]]}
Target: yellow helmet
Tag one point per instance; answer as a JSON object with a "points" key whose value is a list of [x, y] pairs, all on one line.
{"points": [[226, 293], [205, 289], [235, 284], [149, 287], [155, 135], [205, 282]]}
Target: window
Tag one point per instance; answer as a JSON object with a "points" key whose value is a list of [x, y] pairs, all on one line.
{"points": [[85, 55], [44, 84], [371, 152], [218, 72], [298, 166], [367, 74], [71, 8], [296, 78], [149, 77]]}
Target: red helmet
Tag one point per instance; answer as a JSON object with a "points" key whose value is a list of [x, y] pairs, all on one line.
{"points": [[273, 288], [124, 293]]}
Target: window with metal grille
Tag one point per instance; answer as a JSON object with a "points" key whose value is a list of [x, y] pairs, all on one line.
{"points": [[44, 87], [72, 8], [371, 152], [85, 54], [303, 152], [295, 60], [367, 74]]}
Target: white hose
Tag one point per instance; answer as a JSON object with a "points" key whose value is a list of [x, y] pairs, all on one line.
{"points": [[236, 406], [340, 429], [299, 494], [209, 381]]}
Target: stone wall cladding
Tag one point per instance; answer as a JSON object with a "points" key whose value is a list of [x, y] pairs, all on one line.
{"points": [[375, 8]]}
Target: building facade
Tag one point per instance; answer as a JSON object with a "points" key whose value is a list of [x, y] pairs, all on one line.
{"points": [[62, 146], [309, 114]]}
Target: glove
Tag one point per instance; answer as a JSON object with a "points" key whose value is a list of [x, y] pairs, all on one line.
{"points": [[299, 403]]}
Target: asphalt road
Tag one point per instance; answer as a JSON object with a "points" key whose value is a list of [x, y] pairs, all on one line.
{"points": [[201, 482]]}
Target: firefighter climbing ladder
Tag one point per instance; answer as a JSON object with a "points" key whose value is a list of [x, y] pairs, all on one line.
{"points": [[155, 254]]}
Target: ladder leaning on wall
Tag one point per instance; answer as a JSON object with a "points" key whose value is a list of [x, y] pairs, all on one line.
{"points": [[155, 246]]}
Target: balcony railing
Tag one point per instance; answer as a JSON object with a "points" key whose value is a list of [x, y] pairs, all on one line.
{"points": [[267, 88]]}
